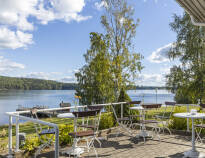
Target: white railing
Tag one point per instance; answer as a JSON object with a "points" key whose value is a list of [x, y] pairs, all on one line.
{"points": [[20, 117]]}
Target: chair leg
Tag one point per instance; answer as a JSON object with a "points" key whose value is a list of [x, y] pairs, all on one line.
{"points": [[93, 146], [98, 141], [40, 148], [156, 131], [198, 135]]}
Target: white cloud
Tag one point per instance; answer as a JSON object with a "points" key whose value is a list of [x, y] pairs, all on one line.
{"points": [[9, 66], [161, 54], [100, 5], [11, 39], [156, 1], [69, 79], [165, 69], [151, 80], [39, 75], [18, 16]]}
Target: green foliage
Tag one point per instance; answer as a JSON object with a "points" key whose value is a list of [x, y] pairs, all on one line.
{"points": [[95, 79], [106, 121], [31, 144], [188, 79], [111, 63], [178, 123], [64, 138], [32, 84], [123, 97], [3, 133], [182, 97], [120, 27]]}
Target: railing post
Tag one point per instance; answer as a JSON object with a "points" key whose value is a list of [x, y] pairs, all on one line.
{"points": [[17, 134], [121, 111], [56, 142], [188, 119], [10, 137]]}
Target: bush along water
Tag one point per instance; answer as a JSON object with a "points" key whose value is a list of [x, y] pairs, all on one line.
{"points": [[181, 123], [106, 121]]}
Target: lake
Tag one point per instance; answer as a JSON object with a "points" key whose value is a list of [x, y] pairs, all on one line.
{"points": [[9, 100]]}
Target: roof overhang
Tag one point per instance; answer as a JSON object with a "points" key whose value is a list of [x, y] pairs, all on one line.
{"points": [[196, 10]]}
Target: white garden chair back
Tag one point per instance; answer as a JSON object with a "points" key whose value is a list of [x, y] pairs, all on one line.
{"points": [[43, 134]]}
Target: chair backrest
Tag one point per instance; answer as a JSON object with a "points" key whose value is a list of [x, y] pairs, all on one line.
{"points": [[90, 107], [169, 104], [34, 114], [79, 114], [85, 115], [134, 102], [93, 107], [151, 106]]}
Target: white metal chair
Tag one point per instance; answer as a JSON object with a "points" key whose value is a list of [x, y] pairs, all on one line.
{"points": [[166, 115], [98, 121], [88, 135], [123, 127], [42, 134], [153, 123], [134, 116], [200, 127]]}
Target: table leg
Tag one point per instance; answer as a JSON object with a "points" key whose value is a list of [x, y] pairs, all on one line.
{"points": [[193, 153], [193, 136], [143, 132]]}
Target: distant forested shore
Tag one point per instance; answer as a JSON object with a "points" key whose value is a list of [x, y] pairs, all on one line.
{"points": [[9, 83], [15, 83]]}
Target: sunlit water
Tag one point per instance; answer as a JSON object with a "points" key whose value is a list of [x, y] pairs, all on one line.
{"points": [[9, 100]]}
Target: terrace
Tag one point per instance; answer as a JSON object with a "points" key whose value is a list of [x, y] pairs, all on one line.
{"points": [[173, 145]]}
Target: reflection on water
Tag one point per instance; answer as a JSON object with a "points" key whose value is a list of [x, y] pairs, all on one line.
{"points": [[9, 100]]}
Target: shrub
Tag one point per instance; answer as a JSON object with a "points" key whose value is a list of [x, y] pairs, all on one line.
{"points": [[33, 142], [64, 131], [106, 121], [179, 123], [3, 133]]}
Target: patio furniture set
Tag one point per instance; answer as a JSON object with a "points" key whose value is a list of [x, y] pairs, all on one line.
{"points": [[88, 128]]}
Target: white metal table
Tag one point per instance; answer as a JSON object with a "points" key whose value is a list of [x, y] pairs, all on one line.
{"points": [[74, 150], [193, 153]]}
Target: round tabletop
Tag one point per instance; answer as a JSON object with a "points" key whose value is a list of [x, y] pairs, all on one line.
{"points": [[137, 108], [66, 115], [189, 115]]}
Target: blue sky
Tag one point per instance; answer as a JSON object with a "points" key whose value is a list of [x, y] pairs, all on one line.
{"points": [[47, 41]]}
